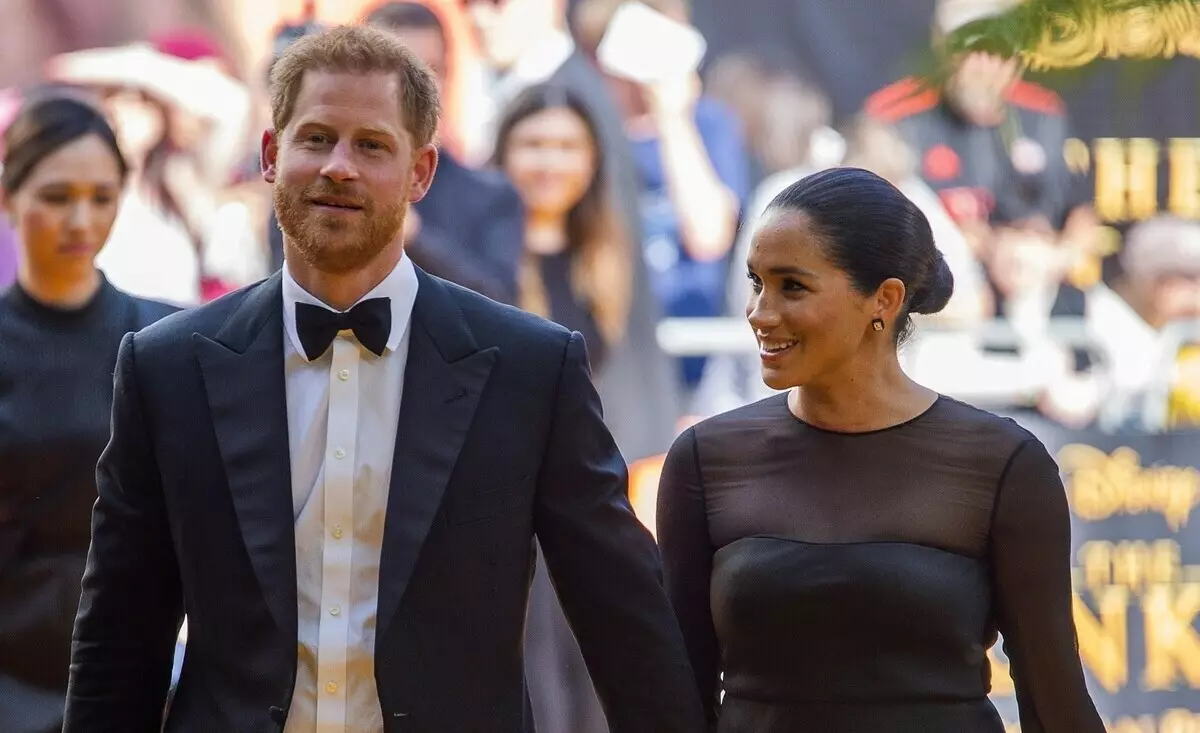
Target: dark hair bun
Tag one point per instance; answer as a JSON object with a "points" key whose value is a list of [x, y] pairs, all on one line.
{"points": [[935, 294]]}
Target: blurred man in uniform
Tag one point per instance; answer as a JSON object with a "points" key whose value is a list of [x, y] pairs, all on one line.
{"points": [[990, 143]]}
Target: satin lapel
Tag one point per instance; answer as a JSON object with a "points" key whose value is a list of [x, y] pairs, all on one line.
{"points": [[444, 377], [243, 375]]}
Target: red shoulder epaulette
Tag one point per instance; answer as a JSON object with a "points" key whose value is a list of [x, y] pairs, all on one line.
{"points": [[1035, 97], [904, 98]]}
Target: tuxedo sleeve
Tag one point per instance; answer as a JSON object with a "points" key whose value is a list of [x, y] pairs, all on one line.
{"points": [[131, 607], [606, 570]]}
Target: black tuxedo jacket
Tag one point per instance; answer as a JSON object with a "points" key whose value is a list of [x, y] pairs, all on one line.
{"points": [[500, 439]]}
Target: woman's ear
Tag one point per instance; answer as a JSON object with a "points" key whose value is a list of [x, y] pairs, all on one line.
{"points": [[889, 299]]}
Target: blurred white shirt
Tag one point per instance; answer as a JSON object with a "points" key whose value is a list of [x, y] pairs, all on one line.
{"points": [[149, 256]]}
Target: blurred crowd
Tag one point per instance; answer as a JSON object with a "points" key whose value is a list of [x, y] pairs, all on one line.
{"points": [[599, 168]]}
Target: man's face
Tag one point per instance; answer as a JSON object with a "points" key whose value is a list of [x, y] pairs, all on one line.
{"points": [[977, 87], [1176, 296], [506, 28], [430, 47], [344, 170]]}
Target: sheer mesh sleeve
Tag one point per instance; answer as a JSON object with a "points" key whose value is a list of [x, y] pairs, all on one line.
{"points": [[1030, 554], [687, 563]]}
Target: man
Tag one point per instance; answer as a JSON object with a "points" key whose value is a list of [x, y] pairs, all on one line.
{"points": [[339, 472], [990, 143], [470, 228], [1135, 324]]}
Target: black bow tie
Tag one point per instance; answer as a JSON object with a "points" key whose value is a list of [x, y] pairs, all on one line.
{"points": [[370, 320]]}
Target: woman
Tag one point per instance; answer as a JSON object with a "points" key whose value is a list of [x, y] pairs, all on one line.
{"points": [[60, 325], [577, 271], [693, 174], [577, 268], [841, 555], [173, 239]]}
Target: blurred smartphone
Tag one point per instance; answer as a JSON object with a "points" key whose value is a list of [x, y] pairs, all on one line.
{"points": [[645, 46]]}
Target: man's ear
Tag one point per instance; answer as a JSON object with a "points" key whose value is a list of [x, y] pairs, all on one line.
{"points": [[425, 160], [269, 155]]}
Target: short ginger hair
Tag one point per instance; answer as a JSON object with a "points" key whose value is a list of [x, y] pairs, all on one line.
{"points": [[358, 50]]}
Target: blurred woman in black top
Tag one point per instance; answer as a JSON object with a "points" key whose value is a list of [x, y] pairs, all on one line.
{"points": [[60, 325], [577, 268]]}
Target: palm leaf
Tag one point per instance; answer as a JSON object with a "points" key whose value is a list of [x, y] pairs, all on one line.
{"points": [[1066, 34]]}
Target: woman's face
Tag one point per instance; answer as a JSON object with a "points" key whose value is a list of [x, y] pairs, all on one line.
{"points": [[65, 209], [809, 320], [551, 159]]}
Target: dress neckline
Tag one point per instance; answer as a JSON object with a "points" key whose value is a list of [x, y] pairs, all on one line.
{"points": [[783, 401], [58, 315]]}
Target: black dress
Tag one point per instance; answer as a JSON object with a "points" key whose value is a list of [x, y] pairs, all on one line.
{"points": [[852, 583], [56, 382]]}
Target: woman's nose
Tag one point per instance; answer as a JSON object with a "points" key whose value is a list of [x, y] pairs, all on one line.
{"points": [[79, 217], [760, 313]]}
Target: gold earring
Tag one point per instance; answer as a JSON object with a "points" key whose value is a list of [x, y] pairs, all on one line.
{"points": [[877, 324]]}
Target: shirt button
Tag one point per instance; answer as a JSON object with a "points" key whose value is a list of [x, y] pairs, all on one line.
{"points": [[332, 688], [337, 533], [335, 611], [344, 374], [339, 454]]}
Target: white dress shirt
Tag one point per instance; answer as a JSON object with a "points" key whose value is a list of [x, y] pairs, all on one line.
{"points": [[342, 409]]}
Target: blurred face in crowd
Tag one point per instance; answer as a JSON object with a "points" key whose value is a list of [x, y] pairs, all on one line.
{"points": [[978, 85], [65, 209], [551, 158], [806, 314], [429, 46], [344, 170], [879, 148], [1174, 296], [1025, 258], [506, 29]]}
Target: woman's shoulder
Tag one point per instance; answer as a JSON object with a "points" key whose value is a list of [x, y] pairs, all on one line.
{"points": [[978, 418], [736, 423], [966, 429]]}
